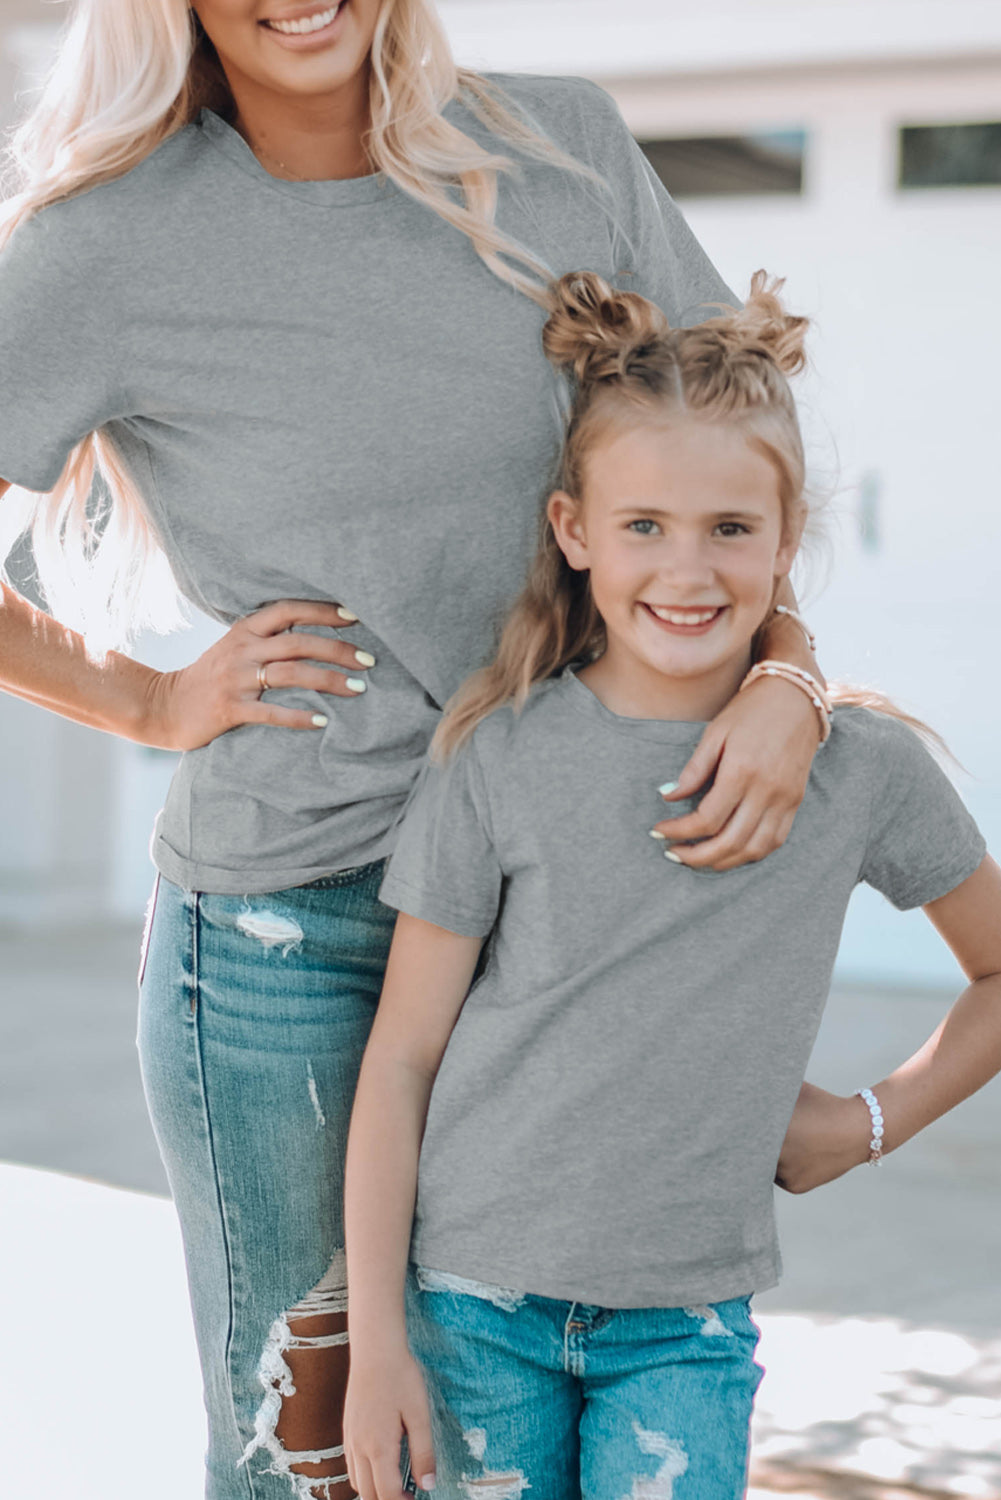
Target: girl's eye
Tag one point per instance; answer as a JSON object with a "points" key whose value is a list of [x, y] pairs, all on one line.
{"points": [[644, 526], [733, 528]]}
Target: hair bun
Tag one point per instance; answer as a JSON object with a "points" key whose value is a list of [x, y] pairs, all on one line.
{"points": [[593, 330], [762, 326]]}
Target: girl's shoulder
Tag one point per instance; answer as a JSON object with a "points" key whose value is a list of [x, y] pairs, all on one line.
{"points": [[510, 727], [876, 745]]}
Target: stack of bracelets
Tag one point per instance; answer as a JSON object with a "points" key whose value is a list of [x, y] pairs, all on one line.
{"points": [[798, 676]]}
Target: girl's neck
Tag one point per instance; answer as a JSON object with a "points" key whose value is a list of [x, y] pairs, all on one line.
{"points": [[634, 690], [305, 139]]}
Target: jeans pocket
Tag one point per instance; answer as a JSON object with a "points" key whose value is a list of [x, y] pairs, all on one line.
{"points": [[147, 930]]}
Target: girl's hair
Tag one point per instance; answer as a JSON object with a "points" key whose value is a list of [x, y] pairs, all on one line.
{"points": [[129, 74], [628, 367]]}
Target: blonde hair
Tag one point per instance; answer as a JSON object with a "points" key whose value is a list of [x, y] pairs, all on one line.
{"points": [[627, 367], [128, 75]]}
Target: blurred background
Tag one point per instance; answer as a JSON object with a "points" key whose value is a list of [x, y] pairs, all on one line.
{"points": [[854, 147]]}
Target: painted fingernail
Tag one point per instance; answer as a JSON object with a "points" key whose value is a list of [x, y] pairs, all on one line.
{"points": [[655, 833], [346, 614], [365, 658], [356, 684], [429, 1481], [675, 858], [669, 786], [321, 721]]}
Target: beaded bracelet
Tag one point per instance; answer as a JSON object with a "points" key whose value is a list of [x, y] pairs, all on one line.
{"points": [[790, 614], [876, 1143], [801, 679]]}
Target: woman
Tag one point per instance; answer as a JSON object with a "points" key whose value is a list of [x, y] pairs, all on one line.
{"points": [[275, 270]]}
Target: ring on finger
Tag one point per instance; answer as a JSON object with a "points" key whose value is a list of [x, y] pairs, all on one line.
{"points": [[262, 677]]}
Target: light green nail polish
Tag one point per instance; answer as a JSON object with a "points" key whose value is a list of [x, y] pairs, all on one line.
{"points": [[365, 658], [321, 721], [357, 684], [675, 858], [669, 786], [347, 614], [655, 833]]}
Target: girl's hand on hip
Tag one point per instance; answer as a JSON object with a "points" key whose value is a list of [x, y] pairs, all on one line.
{"points": [[761, 748], [827, 1136], [386, 1398], [227, 685]]}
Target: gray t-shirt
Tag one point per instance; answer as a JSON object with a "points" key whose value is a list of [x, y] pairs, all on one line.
{"points": [[607, 1118], [323, 393]]}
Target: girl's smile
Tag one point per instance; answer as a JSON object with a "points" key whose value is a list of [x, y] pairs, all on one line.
{"points": [[686, 621]]}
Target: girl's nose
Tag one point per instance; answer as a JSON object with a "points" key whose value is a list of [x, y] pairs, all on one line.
{"points": [[686, 562]]}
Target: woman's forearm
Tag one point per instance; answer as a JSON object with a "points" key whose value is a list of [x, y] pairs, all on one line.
{"points": [[783, 640], [47, 664], [380, 1191]]}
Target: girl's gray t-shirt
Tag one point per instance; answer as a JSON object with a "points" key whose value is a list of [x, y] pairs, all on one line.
{"points": [[322, 392], [606, 1122]]}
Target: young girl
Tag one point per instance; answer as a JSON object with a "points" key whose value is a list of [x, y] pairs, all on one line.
{"points": [[610, 1098]]}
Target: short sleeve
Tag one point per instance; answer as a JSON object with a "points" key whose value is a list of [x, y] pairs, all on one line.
{"points": [[445, 868], [654, 251], [922, 841], [57, 369]]}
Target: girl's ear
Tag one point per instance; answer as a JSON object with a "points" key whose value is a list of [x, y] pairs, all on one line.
{"points": [[565, 517]]}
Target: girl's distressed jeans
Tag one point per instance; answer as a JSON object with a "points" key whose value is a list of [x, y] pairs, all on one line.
{"points": [[567, 1401]]}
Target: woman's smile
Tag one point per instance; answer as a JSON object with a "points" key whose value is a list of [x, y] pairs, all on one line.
{"points": [[306, 28]]}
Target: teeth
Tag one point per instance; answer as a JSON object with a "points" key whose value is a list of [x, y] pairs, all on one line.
{"points": [[683, 616], [306, 24]]}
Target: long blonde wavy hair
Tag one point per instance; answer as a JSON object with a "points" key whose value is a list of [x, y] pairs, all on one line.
{"points": [[627, 366], [129, 73]]}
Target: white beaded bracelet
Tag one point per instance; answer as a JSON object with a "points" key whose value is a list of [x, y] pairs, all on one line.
{"points": [[876, 1143], [790, 614]]}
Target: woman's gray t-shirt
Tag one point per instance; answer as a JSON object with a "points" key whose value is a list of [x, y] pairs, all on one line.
{"points": [[607, 1119], [323, 393]]}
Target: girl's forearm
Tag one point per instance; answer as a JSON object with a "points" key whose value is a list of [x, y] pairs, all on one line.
{"points": [[380, 1191], [961, 1056], [46, 664]]}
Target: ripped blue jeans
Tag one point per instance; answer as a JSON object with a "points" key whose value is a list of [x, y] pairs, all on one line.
{"points": [[254, 1013], [566, 1401]]}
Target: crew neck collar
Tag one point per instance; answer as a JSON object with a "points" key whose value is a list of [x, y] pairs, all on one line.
{"points": [[332, 192], [664, 731]]}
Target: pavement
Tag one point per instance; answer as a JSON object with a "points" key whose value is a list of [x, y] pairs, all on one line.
{"points": [[882, 1345]]}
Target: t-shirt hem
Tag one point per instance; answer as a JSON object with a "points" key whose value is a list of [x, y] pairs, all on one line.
{"points": [[217, 880], [431, 908], [599, 1288], [945, 879], [37, 482]]}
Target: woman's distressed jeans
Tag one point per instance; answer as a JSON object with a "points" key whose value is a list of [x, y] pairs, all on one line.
{"points": [[254, 1014]]}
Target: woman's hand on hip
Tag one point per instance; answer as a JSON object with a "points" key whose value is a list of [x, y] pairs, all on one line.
{"points": [[760, 747], [386, 1398], [827, 1136], [226, 686]]}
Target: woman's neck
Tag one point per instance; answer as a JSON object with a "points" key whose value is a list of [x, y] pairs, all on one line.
{"points": [[633, 689], [310, 139]]}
